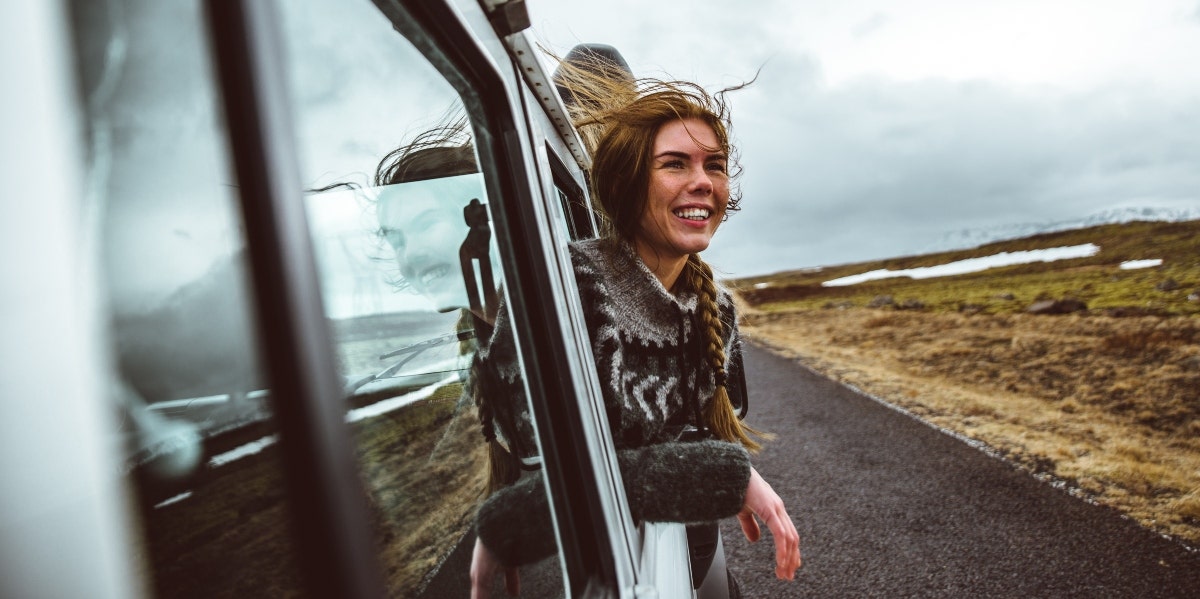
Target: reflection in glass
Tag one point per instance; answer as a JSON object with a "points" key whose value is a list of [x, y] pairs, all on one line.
{"points": [[196, 429], [389, 258], [409, 279], [423, 223]]}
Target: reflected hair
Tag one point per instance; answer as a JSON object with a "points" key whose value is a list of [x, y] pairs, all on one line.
{"points": [[443, 151]]}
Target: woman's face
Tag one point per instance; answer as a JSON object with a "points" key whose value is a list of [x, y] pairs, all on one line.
{"points": [[689, 190], [423, 222]]}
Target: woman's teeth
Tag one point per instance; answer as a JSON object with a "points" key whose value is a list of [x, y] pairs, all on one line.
{"points": [[693, 213]]}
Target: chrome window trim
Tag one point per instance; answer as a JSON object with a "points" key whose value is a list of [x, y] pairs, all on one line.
{"points": [[523, 49], [590, 398], [666, 565]]}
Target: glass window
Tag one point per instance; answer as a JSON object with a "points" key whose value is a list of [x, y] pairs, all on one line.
{"points": [[576, 215], [197, 434], [411, 283]]}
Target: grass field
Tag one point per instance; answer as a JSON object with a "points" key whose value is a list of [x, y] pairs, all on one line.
{"points": [[1104, 400], [422, 467]]}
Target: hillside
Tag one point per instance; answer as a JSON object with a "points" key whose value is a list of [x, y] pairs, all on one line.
{"points": [[1103, 397], [1097, 280]]}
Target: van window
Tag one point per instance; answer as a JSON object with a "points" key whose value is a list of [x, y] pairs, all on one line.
{"points": [[411, 282], [197, 435], [577, 215]]}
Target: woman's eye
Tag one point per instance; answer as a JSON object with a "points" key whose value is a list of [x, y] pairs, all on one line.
{"points": [[673, 164], [718, 167], [394, 238]]}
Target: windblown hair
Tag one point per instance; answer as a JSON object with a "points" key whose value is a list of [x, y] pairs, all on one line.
{"points": [[443, 151], [619, 117]]}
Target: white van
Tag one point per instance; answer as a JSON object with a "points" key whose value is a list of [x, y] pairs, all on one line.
{"points": [[232, 365]]}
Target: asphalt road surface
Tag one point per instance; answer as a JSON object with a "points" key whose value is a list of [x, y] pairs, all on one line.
{"points": [[887, 506]]}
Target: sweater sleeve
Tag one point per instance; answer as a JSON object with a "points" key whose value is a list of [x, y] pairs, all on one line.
{"points": [[667, 482]]}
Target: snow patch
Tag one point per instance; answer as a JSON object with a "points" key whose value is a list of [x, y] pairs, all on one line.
{"points": [[382, 407], [242, 451], [972, 264], [1134, 264]]}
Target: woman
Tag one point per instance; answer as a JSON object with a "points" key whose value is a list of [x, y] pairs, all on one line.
{"points": [[660, 329]]}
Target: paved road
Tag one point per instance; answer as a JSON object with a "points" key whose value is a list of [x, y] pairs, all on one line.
{"points": [[889, 507]]}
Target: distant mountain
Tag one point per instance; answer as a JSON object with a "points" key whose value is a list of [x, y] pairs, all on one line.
{"points": [[200, 341], [969, 238]]}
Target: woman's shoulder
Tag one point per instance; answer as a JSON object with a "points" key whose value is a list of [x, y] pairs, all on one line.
{"points": [[725, 297], [605, 261], [595, 249]]}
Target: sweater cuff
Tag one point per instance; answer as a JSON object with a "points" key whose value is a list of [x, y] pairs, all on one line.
{"points": [[685, 481], [514, 523], [668, 482]]}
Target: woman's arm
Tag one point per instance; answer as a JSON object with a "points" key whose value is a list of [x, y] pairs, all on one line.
{"points": [[668, 482]]}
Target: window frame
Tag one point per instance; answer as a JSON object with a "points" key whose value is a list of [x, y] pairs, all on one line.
{"points": [[329, 519], [491, 89], [330, 523], [581, 219]]}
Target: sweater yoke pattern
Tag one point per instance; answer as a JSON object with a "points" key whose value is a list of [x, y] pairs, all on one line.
{"points": [[649, 350]]}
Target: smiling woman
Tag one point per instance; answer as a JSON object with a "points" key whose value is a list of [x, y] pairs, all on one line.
{"points": [[663, 334]]}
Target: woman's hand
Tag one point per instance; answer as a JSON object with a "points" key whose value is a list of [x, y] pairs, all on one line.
{"points": [[484, 568], [762, 501]]}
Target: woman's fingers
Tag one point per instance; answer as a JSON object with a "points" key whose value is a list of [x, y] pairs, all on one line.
{"points": [[484, 568], [749, 525], [761, 500], [787, 544]]}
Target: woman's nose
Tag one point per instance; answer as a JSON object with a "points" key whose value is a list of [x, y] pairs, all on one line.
{"points": [[413, 256], [701, 182]]}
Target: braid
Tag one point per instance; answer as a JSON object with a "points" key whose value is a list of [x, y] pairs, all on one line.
{"points": [[502, 469], [719, 415]]}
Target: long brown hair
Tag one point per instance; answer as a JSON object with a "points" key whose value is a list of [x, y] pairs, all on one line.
{"points": [[620, 118]]}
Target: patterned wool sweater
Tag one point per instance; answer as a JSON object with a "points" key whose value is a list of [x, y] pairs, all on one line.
{"points": [[655, 379]]}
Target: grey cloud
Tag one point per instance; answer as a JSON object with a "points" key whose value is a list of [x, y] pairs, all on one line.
{"points": [[882, 168], [871, 24]]}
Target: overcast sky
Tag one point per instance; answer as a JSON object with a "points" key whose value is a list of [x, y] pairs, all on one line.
{"points": [[877, 127], [873, 130]]}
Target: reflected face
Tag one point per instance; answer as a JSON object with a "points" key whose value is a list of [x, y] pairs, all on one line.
{"points": [[423, 223], [688, 194]]}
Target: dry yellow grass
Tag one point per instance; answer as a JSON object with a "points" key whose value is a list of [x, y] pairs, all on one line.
{"points": [[425, 481], [1109, 405]]}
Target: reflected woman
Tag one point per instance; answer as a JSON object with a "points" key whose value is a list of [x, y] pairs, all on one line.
{"points": [[422, 189]]}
